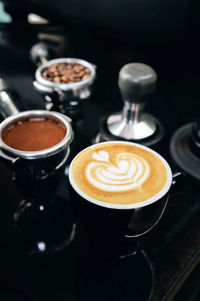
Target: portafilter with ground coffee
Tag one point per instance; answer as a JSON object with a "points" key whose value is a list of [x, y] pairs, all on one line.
{"points": [[36, 145]]}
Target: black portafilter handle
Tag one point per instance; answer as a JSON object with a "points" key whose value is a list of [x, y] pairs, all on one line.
{"points": [[42, 52], [8, 100]]}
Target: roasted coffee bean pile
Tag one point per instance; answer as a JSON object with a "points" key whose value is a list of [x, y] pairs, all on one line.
{"points": [[66, 73]]}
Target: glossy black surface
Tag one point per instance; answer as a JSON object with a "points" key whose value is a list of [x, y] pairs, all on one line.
{"points": [[80, 271]]}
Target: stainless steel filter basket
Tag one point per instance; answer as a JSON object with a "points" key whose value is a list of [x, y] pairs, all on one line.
{"points": [[13, 154], [63, 95]]}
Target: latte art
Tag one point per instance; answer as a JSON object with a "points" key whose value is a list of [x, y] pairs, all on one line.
{"points": [[118, 173], [129, 172]]}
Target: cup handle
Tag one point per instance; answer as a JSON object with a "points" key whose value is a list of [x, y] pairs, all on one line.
{"points": [[176, 176], [144, 219], [154, 212], [177, 179]]}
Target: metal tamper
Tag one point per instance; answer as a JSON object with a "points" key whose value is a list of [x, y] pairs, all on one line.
{"points": [[136, 82]]}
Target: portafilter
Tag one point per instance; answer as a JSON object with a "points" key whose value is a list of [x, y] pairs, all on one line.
{"points": [[65, 97], [43, 222]]}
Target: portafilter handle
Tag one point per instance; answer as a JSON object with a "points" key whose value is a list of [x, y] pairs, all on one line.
{"points": [[7, 108], [7, 100], [41, 53], [136, 82]]}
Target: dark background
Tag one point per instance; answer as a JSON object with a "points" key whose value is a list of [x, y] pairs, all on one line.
{"points": [[110, 34]]}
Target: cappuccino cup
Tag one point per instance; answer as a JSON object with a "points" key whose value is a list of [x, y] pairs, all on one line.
{"points": [[119, 188]]}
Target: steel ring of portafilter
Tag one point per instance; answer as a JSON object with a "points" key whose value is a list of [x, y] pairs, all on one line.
{"points": [[65, 96], [57, 117]]}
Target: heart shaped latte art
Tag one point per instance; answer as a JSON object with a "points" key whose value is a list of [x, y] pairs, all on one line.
{"points": [[129, 172]]}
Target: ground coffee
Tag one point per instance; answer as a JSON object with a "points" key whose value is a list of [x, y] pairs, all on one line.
{"points": [[34, 134]]}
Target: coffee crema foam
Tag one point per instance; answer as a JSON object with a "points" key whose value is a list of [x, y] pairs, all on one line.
{"points": [[129, 172], [118, 173]]}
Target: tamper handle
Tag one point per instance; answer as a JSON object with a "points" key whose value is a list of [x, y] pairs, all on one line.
{"points": [[136, 80]]}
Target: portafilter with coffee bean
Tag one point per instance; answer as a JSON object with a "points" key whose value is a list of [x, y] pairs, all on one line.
{"points": [[65, 83]]}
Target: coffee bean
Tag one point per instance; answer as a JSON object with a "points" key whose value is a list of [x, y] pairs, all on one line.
{"points": [[65, 78], [85, 76], [78, 68], [87, 71], [66, 72], [56, 79]]}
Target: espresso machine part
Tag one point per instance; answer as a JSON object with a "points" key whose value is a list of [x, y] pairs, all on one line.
{"points": [[185, 148], [40, 53], [65, 98], [36, 175], [136, 82], [7, 100]]}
